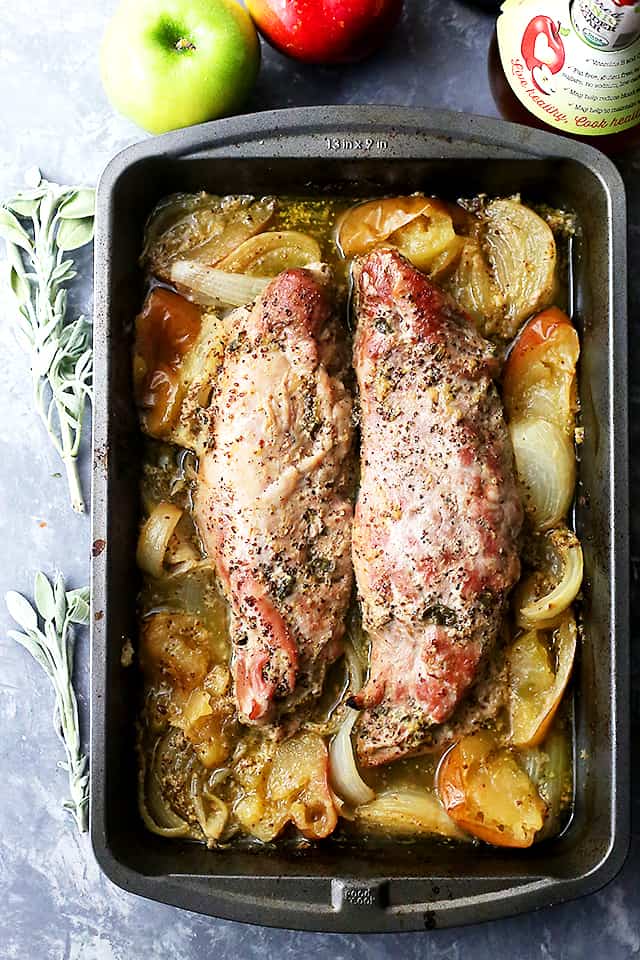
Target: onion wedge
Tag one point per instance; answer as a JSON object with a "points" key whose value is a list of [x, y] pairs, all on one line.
{"points": [[522, 254], [201, 227], [268, 254], [408, 811], [475, 289], [157, 815], [212, 287], [546, 469], [541, 611], [154, 538]]}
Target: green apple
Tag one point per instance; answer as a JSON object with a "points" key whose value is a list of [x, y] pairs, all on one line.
{"points": [[173, 63]]}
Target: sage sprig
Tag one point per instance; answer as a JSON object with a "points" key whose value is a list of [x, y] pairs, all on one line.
{"points": [[49, 637], [39, 226]]}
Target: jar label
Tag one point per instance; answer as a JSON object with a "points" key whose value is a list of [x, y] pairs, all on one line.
{"points": [[574, 65]]}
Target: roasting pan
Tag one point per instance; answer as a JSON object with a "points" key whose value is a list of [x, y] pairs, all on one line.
{"points": [[367, 151]]}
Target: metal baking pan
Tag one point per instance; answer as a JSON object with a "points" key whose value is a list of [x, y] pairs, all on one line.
{"points": [[364, 151]]}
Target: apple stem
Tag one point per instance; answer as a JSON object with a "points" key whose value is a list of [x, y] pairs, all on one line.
{"points": [[184, 44]]}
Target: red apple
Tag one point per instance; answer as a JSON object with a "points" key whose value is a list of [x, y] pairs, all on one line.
{"points": [[542, 44], [325, 31]]}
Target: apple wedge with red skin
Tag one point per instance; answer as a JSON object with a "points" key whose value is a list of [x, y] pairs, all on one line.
{"points": [[325, 31]]}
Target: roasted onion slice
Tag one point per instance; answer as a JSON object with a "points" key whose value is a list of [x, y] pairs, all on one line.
{"points": [[564, 568], [156, 813], [155, 536], [408, 811], [345, 777], [344, 774], [212, 287], [546, 469], [211, 812], [201, 227], [506, 270], [522, 253], [269, 253]]}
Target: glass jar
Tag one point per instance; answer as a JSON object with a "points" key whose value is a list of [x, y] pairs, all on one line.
{"points": [[572, 66]]}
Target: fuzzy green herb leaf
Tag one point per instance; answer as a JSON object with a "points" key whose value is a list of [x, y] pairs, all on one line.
{"points": [[11, 231], [21, 611], [59, 219], [48, 637], [43, 595], [80, 206], [74, 233]]}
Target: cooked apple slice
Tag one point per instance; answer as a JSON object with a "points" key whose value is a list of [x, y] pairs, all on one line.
{"points": [[166, 329], [177, 352], [421, 228], [429, 240], [539, 379], [366, 225], [298, 791], [539, 665], [487, 793]]}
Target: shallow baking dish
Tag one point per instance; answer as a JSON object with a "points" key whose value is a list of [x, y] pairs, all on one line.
{"points": [[367, 151]]}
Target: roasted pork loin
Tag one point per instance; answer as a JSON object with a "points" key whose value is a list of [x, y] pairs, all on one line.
{"points": [[272, 500], [438, 516]]}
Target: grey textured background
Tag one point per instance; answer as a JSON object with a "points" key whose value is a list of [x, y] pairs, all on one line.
{"points": [[54, 903]]}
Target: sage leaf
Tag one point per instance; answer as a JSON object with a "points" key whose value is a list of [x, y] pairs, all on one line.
{"points": [[60, 218], [19, 286], [79, 610], [60, 600], [43, 595], [11, 230], [51, 644], [21, 610], [25, 206], [73, 234], [63, 272], [31, 645], [80, 205]]}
